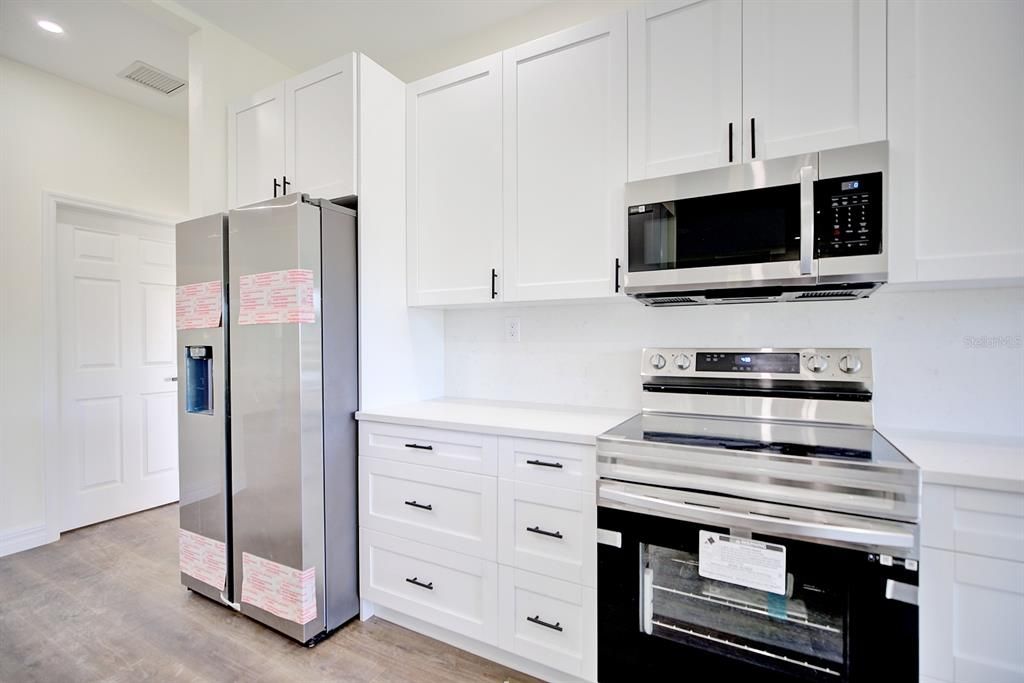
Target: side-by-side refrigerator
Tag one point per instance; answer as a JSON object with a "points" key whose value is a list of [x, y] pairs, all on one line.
{"points": [[268, 389]]}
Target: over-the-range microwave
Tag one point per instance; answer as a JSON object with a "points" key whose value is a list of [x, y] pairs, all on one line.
{"points": [[806, 227]]}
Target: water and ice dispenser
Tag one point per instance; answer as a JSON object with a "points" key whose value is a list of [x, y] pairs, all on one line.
{"points": [[199, 379]]}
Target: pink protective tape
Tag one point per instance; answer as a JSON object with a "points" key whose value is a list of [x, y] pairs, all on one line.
{"points": [[282, 296], [202, 558], [198, 305], [283, 591]]}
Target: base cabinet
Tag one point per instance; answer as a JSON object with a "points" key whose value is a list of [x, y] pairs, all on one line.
{"points": [[434, 516]]}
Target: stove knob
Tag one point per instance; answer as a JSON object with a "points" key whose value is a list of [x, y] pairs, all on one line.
{"points": [[817, 363], [850, 364], [657, 361], [683, 361]]}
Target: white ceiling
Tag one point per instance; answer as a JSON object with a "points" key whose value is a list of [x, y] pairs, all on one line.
{"points": [[101, 37], [303, 34]]}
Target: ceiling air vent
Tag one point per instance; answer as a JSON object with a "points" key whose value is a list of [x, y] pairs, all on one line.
{"points": [[153, 78]]}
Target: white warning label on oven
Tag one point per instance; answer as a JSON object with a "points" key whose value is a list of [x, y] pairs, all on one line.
{"points": [[742, 561]]}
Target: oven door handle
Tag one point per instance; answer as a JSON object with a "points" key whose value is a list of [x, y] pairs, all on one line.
{"points": [[807, 174], [759, 523]]}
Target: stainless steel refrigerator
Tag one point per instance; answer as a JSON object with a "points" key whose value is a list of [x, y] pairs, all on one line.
{"points": [[267, 403]]}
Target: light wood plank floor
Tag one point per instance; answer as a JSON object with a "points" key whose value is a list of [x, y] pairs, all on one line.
{"points": [[104, 604]]}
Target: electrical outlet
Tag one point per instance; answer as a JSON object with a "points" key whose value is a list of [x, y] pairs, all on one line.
{"points": [[512, 330]]}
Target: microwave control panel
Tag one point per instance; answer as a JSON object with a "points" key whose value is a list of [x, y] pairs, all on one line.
{"points": [[848, 215]]}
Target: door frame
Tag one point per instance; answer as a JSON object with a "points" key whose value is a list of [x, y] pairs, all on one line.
{"points": [[51, 422]]}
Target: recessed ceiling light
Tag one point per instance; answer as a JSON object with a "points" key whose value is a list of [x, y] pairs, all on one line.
{"points": [[49, 26]]}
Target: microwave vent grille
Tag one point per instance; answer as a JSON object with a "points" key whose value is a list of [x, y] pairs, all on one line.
{"points": [[831, 294], [671, 301]]}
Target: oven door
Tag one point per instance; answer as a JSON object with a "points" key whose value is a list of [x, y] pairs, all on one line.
{"points": [[747, 225], [836, 614]]}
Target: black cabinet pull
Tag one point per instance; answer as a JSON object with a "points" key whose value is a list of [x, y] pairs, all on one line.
{"points": [[419, 447], [284, 185], [618, 267], [277, 186], [544, 532], [494, 283], [753, 139], [544, 464], [416, 582], [730, 142], [540, 622], [421, 506]]}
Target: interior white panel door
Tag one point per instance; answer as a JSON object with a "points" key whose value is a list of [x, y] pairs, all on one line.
{"points": [[256, 147], [116, 338], [813, 75], [320, 130], [685, 86], [565, 162], [454, 184]]}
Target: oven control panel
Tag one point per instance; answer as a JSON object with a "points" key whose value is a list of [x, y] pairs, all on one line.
{"points": [[848, 215], [829, 364]]}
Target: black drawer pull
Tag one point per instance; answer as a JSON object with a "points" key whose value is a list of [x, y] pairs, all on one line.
{"points": [[543, 532], [421, 506], [540, 622], [416, 445], [544, 464], [416, 582]]}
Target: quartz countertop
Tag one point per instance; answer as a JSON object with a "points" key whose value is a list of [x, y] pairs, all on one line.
{"points": [[530, 420], [995, 463]]}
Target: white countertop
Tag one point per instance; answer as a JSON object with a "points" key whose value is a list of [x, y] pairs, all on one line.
{"points": [[995, 463], [529, 420]]}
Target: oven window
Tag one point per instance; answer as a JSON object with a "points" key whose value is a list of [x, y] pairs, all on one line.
{"points": [[755, 226], [805, 627]]}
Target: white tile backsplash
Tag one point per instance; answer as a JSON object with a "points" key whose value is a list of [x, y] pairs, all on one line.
{"points": [[946, 360]]}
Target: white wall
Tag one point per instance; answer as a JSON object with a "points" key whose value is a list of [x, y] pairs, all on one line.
{"points": [[948, 360], [60, 136]]}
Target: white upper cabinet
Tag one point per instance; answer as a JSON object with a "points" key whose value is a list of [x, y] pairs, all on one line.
{"points": [[813, 75], [956, 139], [320, 130], [256, 147], [565, 162], [454, 184], [685, 86], [296, 136]]}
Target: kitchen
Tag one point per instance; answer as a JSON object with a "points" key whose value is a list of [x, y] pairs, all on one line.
{"points": [[574, 233]]}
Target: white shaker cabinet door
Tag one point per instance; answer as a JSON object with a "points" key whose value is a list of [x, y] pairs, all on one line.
{"points": [[565, 162], [454, 185], [320, 130], [956, 107], [813, 75], [256, 147], [685, 86]]}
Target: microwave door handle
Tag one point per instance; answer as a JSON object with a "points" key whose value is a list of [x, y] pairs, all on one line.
{"points": [[761, 523], [807, 174]]}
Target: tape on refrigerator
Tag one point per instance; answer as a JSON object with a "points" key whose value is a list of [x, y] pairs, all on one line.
{"points": [[281, 590], [198, 305], [281, 296], [202, 558]]}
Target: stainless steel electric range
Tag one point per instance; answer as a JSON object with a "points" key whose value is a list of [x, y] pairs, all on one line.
{"points": [[754, 526]]}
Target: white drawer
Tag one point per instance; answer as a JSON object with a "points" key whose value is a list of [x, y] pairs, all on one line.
{"points": [[464, 451], [451, 590], [552, 463], [976, 521], [547, 530], [453, 510], [549, 621]]}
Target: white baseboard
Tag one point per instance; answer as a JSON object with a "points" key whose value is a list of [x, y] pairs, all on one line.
{"points": [[16, 540], [495, 654]]}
